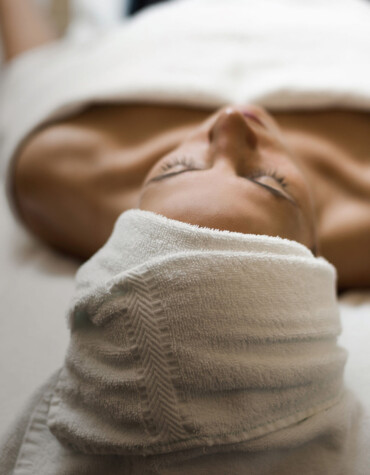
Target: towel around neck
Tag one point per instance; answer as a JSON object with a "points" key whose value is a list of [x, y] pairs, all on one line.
{"points": [[185, 337]]}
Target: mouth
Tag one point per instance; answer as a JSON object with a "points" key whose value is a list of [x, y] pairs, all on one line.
{"points": [[250, 115]]}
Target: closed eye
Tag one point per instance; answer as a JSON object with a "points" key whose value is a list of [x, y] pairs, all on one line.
{"points": [[271, 189], [171, 174]]}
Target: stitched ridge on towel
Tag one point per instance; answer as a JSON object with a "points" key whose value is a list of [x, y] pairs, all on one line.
{"points": [[148, 331]]}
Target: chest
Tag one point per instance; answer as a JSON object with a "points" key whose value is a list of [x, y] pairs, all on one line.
{"points": [[334, 149]]}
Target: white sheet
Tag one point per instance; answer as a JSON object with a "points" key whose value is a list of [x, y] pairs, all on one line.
{"points": [[355, 316], [35, 288]]}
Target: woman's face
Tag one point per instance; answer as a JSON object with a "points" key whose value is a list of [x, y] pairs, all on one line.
{"points": [[233, 173]]}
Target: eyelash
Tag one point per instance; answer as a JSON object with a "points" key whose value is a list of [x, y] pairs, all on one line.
{"points": [[184, 161], [271, 173], [189, 164]]}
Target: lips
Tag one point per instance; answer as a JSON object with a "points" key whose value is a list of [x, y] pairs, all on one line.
{"points": [[250, 115]]}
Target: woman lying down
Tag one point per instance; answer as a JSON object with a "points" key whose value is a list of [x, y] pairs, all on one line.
{"points": [[203, 332]]}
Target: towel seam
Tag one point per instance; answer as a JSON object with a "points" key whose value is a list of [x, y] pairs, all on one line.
{"points": [[147, 330]]}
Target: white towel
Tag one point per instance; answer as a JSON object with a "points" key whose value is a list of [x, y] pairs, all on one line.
{"points": [[186, 337], [90, 16], [195, 351], [280, 54]]}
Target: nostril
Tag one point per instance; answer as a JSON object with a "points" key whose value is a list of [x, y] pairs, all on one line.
{"points": [[211, 135], [232, 127]]}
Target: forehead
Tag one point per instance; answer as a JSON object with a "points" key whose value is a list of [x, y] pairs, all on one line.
{"points": [[218, 201]]}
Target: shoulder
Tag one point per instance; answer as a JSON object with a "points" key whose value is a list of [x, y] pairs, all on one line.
{"points": [[58, 140], [52, 181], [48, 152]]}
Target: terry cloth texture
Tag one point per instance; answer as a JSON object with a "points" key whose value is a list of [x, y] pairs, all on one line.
{"points": [[282, 54], [197, 351]]}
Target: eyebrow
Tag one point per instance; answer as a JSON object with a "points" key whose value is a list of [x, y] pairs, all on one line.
{"points": [[272, 190]]}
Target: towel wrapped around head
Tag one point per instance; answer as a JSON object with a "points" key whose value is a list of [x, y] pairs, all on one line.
{"points": [[187, 338]]}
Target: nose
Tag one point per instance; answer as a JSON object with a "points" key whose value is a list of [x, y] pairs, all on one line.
{"points": [[231, 137]]}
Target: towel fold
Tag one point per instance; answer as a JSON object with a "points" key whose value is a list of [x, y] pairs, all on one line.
{"points": [[185, 338]]}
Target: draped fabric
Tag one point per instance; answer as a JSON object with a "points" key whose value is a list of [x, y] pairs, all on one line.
{"points": [[195, 351], [185, 337]]}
